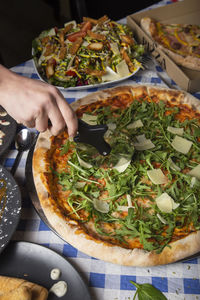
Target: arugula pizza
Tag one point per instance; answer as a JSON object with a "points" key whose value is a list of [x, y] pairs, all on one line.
{"points": [[140, 205], [180, 41]]}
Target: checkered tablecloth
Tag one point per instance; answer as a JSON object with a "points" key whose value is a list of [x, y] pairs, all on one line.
{"points": [[106, 281]]}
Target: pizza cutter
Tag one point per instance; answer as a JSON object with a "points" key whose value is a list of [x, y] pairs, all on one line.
{"points": [[93, 135]]}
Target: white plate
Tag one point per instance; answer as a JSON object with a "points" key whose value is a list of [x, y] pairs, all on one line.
{"points": [[90, 86]]}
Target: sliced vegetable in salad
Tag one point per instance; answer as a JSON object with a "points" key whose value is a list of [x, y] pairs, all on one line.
{"points": [[89, 53]]}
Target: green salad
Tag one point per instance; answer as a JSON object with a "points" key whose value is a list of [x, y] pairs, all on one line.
{"points": [[93, 52]]}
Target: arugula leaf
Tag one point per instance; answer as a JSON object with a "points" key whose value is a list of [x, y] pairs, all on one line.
{"points": [[65, 147], [147, 291]]}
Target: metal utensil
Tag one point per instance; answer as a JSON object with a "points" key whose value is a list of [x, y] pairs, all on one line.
{"points": [[93, 135], [149, 63], [23, 142]]}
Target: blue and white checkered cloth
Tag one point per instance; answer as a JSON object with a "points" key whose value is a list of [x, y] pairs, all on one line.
{"points": [[106, 281]]}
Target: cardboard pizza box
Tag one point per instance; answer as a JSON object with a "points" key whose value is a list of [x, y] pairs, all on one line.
{"points": [[185, 12]]}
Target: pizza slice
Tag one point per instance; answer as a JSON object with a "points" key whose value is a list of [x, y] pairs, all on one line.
{"points": [[180, 41]]}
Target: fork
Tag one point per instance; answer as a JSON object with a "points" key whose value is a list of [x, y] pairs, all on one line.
{"points": [[149, 63]]}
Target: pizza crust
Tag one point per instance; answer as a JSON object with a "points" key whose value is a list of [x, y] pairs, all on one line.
{"points": [[70, 231], [191, 62]]}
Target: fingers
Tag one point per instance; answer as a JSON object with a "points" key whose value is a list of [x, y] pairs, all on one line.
{"points": [[41, 122], [69, 117], [65, 116], [57, 122], [72, 123], [40, 102]]}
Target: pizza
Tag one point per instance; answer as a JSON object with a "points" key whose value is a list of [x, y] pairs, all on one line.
{"points": [[140, 205], [180, 41], [89, 53]]}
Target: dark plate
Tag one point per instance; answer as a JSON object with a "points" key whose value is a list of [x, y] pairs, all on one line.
{"points": [[10, 207], [34, 263], [9, 130]]}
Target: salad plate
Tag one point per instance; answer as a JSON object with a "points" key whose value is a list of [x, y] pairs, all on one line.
{"points": [[89, 86], [94, 53]]}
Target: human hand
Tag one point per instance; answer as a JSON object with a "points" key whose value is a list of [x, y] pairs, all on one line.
{"points": [[35, 103]]}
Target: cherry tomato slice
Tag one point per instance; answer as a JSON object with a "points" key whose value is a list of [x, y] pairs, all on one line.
{"points": [[73, 36]]}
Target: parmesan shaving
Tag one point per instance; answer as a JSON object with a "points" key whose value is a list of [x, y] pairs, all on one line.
{"points": [[144, 145], [51, 32], [108, 133], [83, 163], [173, 166], [122, 69], [141, 138], [122, 165], [124, 207], [80, 184], [181, 145], [175, 130], [114, 48], [111, 126], [135, 124], [194, 181], [101, 206], [165, 203], [90, 119], [157, 176], [195, 172], [73, 22], [128, 197], [162, 220], [110, 75]]}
